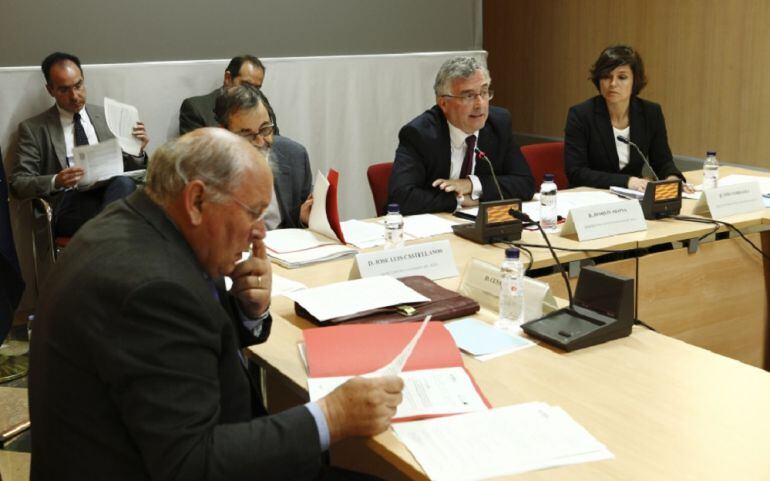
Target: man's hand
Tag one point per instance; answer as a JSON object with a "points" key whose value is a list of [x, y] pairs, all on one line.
{"points": [[457, 186], [362, 406], [304, 211], [468, 202], [141, 134], [252, 281], [635, 183], [68, 177]]}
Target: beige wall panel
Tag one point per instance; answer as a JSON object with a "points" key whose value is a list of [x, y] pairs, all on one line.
{"points": [[707, 64]]}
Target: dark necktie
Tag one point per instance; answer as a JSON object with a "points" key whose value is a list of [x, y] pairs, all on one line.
{"points": [[80, 133], [470, 144]]}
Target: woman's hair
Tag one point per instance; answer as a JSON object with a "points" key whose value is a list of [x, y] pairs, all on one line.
{"points": [[615, 56]]}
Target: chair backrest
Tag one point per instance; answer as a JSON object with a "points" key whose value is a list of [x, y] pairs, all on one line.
{"points": [[379, 176], [547, 158]]}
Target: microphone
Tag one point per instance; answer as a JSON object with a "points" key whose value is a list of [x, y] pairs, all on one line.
{"points": [[627, 141], [481, 155], [526, 219]]}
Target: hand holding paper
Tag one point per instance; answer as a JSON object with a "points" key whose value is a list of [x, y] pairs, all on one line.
{"points": [[361, 407], [123, 122]]}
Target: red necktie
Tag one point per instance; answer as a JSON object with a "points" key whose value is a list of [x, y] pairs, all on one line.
{"points": [[470, 143]]}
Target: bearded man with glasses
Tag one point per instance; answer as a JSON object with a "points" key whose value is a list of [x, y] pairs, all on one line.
{"points": [[439, 165], [244, 111]]}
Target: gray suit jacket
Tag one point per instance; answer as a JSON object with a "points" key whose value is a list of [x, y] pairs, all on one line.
{"points": [[136, 372], [292, 178], [197, 112], [41, 153]]}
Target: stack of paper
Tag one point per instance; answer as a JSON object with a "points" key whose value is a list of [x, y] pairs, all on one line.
{"points": [[346, 298], [323, 240], [499, 442], [299, 247], [435, 380]]}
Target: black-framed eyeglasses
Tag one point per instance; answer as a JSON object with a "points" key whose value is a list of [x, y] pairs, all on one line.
{"points": [[470, 97], [264, 131]]}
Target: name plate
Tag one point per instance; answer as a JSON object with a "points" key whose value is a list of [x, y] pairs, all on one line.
{"points": [[605, 220], [730, 200], [481, 282], [433, 260]]}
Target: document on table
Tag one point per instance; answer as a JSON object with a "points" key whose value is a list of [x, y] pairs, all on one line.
{"points": [[283, 241], [99, 161], [764, 184], [566, 201], [355, 296], [483, 340], [121, 119], [428, 392], [499, 442], [363, 234], [427, 225]]}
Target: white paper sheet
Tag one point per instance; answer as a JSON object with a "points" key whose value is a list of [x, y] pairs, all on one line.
{"points": [[292, 260], [363, 234], [283, 241], [499, 442], [426, 392], [319, 218], [99, 161], [427, 225], [394, 367], [566, 201], [355, 296], [764, 184], [121, 119]]}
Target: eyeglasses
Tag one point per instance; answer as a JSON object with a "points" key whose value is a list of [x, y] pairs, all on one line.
{"points": [[264, 131], [470, 97], [254, 215]]}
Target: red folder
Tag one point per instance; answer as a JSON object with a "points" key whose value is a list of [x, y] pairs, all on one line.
{"points": [[354, 349], [332, 210], [349, 350]]}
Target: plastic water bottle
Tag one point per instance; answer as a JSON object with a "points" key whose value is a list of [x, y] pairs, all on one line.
{"points": [[548, 214], [511, 292], [394, 228], [710, 171]]}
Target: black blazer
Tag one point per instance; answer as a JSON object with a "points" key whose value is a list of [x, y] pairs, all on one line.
{"points": [[424, 155], [590, 155], [135, 367]]}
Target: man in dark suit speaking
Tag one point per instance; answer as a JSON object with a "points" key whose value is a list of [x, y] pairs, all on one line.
{"points": [[43, 166], [137, 374], [438, 167]]}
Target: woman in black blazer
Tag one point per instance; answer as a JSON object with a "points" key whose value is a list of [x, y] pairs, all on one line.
{"points": [[592, 154]]}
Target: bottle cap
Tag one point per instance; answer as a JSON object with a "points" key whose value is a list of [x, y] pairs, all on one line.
{"points": [[393, 209], [512, 253], [548, 177], [711, 152]]}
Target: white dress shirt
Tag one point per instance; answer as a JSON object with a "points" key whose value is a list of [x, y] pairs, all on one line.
{"points": [[624, 150]]}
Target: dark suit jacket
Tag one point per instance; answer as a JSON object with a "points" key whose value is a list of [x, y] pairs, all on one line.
{"points": [[423, 155], [197, 112], [11, 283], [135, 366], [590, 155], [292, 178], [42, 153]]}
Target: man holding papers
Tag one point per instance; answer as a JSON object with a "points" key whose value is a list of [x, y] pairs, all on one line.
{"points": [[445, 154], [243, 110], [44, 164], [138, 372]]}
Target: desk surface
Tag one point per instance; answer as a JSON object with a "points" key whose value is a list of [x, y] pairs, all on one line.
{"points": [[666, 409]]}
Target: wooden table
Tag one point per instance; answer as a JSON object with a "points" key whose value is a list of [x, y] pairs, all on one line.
{"points": [[666, 408]]}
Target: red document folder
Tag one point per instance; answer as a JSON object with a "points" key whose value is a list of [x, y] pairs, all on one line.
{"points": [[350, 350], [332, 210]]}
